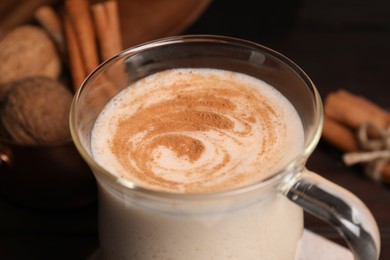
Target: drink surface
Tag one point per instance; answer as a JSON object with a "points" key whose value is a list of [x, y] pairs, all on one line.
{"points": [[196, 131]]}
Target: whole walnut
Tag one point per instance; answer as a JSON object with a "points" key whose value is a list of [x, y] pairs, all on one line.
{"points": [[35, 111], [28, 51]]}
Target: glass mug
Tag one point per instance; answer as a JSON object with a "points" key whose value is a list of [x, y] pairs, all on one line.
{"points": [[260, 221]]}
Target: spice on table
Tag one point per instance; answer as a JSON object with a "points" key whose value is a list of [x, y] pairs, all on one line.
{"points": [[49, 19], [105, 15], [107, 24], [360, 128], [92, 35]]}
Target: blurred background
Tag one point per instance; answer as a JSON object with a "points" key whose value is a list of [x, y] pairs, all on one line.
{"points": [[339, 44]]}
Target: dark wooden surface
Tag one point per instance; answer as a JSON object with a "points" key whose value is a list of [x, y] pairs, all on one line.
{"points": [[340, 44]]}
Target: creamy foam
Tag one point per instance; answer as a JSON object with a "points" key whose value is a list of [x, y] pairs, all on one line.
{"points": [[196, 130]]}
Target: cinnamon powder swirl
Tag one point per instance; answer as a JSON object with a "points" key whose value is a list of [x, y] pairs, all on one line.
{"points": [[196, 131]]}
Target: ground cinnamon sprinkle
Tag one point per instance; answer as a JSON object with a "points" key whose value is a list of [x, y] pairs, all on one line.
{"points": [[184, 114], [183, 146], [175, 122], [165, 123]]}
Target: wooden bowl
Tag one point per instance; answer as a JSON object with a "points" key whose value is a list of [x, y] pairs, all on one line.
{"points": [[148, 20], [140, 20]]}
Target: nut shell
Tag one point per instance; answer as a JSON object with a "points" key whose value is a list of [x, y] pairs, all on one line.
{"points": [[35, 111], [28, 51]]}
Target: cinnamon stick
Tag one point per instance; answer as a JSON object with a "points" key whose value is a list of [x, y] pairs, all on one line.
{"points": [[386, 173], [78, 13], [339, 135], [50, 20], [344, 114], [77, 68], [353, 110], [84, 26], [106, 19]]}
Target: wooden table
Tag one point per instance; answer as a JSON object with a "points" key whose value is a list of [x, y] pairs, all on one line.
{"points": [[339, 45]]}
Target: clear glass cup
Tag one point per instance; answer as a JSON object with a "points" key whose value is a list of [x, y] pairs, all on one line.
{"points": [[260, 221]]}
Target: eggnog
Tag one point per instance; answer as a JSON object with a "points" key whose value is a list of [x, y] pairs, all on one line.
{"points": [[196, 131], [191, 132]]}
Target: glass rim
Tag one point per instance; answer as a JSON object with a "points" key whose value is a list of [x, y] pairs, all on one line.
{"points": [[297, 162]]}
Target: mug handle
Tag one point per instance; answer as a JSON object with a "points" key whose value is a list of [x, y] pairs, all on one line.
{"points": [[338, 207]]}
